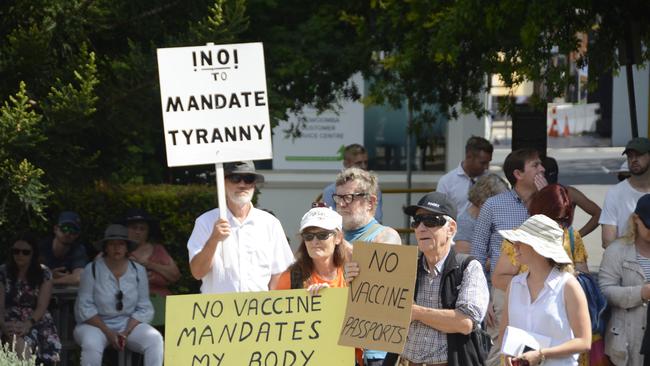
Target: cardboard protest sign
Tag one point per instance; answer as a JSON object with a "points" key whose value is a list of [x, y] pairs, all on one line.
{"points": [[280, 328], [214, 103], [378, 312]]}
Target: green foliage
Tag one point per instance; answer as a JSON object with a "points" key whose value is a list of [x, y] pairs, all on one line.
{"points": [[22, 192], [8, 357], [175, 206]]}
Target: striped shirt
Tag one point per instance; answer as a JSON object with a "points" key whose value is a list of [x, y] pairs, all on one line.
{"points": [[645, 265], [505, 211], [428, 345]]}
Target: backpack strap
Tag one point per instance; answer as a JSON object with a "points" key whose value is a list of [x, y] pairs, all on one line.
{"points": [[137, 278], [296, 278], [371, 230], [572, 241]]}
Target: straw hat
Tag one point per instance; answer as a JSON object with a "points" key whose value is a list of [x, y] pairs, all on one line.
{"points": [[543, 234]]}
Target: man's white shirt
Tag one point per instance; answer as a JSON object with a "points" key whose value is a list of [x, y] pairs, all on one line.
{"points": [[456, 184], [259, 250]]}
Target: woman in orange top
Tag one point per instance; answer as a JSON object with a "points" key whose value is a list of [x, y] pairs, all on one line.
{"points": [[320, 257]]}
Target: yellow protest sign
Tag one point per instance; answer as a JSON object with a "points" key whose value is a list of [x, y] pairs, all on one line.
{"points": [[275, 328], [378, 312]]}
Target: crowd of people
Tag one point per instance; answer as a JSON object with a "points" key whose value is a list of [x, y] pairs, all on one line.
{"points": [[464, 285]]}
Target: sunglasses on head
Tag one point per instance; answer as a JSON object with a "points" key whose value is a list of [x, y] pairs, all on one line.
{"points": [[69, 229], [25, 252], [428, 220], [319, 204], [247, 178], [119, 296], [321, 235]]}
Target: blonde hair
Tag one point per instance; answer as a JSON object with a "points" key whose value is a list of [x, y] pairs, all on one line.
{"points": [[485, 187], [631, 232], [562, 267], [366, 181]]}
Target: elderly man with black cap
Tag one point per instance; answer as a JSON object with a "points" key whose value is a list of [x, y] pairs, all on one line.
{"points": [[451, 292], [245, 251], [63, 252]]}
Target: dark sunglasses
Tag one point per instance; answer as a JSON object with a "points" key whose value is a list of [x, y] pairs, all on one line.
{"points": [[247, 178], [428, 221], [321, 235], [69, 229], [16, 251], [119, 296], [347, 198], [319, 204]]}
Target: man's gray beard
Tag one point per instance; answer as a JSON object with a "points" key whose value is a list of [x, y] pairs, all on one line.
{"points": [[241, 200], [355, 221]]}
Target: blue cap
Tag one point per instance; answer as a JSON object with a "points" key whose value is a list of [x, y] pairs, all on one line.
{"points": [[643, 209], [69, 218]]}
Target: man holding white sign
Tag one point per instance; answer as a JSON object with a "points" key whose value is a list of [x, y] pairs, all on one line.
{"points": [[247, 250], [451, 292]]}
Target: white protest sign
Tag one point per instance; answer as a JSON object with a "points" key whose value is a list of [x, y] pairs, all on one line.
{"points": [[214, 104]]}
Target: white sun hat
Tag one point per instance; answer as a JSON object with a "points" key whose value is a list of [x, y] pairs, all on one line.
{"points": [[543, 234], [322, 217]]}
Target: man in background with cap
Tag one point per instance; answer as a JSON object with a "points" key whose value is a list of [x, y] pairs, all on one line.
{"points": [[245, 251], [62, 252], [621, 199], [438, 334]]}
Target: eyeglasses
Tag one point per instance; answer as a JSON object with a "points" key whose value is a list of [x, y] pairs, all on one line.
{"points": [[69, 229], [321, 235], [25, 252], [428, 221], [347, 198], [247, 178], [119, 296]]}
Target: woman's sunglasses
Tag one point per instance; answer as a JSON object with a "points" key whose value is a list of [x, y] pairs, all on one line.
{"points": [[321, 235], [25, 252], [119, 296]]}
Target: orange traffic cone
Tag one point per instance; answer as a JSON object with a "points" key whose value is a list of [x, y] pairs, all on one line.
{"points": [[553, 132], [565, 131]]}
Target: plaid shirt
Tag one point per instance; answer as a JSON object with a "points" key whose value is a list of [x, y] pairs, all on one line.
{"points": [[428, 345], [505, 211]]}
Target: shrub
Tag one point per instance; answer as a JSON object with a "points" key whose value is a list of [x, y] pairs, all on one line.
{"points": [[8, 357]]}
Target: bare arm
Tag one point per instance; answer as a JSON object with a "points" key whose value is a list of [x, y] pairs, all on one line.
{"points": [[201, 263], [608, 234], [273, 282], [71, 279], [443, 320], [588, 206], [169, 271], [44, 296], [503, 272], [389, 236]]}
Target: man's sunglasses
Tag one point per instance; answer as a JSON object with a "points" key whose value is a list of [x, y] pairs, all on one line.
{"points": [[347, 198], [69, 229], [321, 235], [428, 220], [25, 252], [119, 296], [247, 178]]}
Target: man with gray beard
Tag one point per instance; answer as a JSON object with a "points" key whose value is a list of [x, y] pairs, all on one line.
{"points": [[247, 250]]}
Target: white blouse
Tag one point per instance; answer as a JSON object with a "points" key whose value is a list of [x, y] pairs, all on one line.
{"points": [[547, 315]]}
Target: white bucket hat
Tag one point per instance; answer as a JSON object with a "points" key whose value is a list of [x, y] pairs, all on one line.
{"points": [[322, 217], [543, 234]]}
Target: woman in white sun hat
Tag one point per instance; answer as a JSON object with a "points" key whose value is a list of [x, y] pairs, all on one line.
{"points": [[547, 299], [320, 256]]}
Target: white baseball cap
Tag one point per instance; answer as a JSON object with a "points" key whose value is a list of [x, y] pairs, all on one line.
{"points": [[322, 217], [543, 234]]}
